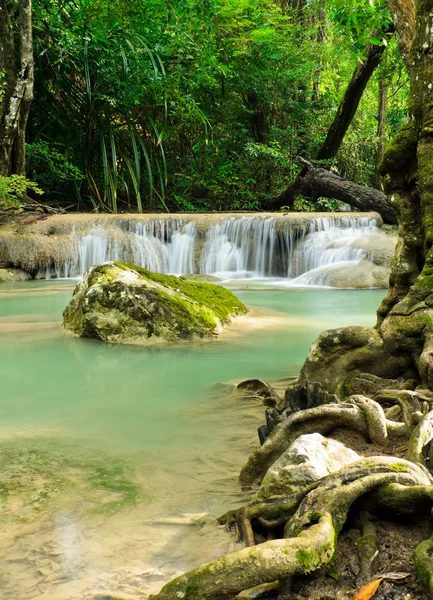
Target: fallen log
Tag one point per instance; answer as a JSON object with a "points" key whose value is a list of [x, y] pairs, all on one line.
{"points": [[314, 183]]}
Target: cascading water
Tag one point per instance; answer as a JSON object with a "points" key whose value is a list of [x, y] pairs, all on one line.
{"points": [[157, 245], [233, 247], [327, 246], [240, 248]]}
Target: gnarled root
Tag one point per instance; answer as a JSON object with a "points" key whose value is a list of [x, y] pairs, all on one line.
{"points": [[423, 564], [362, 414], [420, 438], [367, 549], [310, 535], [269, 514]]}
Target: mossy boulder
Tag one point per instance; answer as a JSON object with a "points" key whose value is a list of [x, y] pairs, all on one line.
{"points": [[7, 275], [123, 303]]}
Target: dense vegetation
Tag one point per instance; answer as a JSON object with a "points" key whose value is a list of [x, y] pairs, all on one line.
{"points": [[197, 105]]}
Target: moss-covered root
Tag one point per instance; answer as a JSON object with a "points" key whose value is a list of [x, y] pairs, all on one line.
{"points": [[407, 400], [375, 417], [423, 564], [338, 491], [322, 419], [366, 548], [398, 499], [361, 414], [420, 438], [311, 534], [258, 591], [270, 514], [268, 562]]}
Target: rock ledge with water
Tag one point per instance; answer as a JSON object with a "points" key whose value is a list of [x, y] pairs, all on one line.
{"points": [[122, 303]]}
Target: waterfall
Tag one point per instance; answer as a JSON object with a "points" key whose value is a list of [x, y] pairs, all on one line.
{"points": [[158, 245], [242, 247], [230, 247], [328, 246]]}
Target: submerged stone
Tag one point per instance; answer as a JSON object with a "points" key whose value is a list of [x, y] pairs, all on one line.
{"points": [[123, 303], [260, 388]]}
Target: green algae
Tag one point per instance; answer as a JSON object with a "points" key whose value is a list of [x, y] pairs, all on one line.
{"points": [[37, 474]]}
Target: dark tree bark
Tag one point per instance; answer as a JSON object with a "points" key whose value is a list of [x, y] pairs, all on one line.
{"points": [[381, 128], [320, 38], [16, 62], [317, 183], [403, 14], [259, 122], [342, 120], [349, 105]]}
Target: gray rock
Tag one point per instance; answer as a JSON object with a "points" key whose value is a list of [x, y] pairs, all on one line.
{"points": [[310, 458], [379, 248], [123, 303], [363, 275]]}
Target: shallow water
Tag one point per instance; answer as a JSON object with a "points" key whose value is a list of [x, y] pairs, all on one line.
{"points": [[119, 457]]}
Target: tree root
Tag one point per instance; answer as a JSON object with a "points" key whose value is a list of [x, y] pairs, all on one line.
{"points": [[270, 515], [258, 591], [423, 564], [367, 549], [410, 402], [361, 414], [420, 438], [310, 535]]}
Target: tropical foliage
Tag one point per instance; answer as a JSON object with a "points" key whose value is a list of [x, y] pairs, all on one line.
{"points": [[198, 104]]}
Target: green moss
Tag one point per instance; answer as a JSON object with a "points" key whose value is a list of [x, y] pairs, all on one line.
{"points": [[109, 305], [35, 473], [222, 302], [399, 468], [308, 559], [114, 479], [423, 563], [401, 150], [311, 560]]}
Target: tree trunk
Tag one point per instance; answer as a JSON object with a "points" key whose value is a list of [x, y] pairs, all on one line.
{"points": [[317, 183], [342, 120], [349, 105], [381, 128], [401, 346], [16, 61], [403, 13], [259, 123], [320, 38]]}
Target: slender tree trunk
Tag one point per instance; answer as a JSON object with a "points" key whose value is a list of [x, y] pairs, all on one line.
{"points": [[259, 122], [16, 62], [349, 105], [342, 120], [320, 39], [381, 128]]}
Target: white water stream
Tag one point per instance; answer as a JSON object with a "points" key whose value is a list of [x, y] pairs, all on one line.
{"points": [[233, 248]]}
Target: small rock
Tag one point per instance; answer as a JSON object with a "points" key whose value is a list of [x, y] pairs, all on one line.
{"points": [[258, 387], [310, 458]]}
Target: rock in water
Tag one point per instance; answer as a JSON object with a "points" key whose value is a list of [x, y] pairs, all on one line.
{"points": [[309, 458], [123, 303]]}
